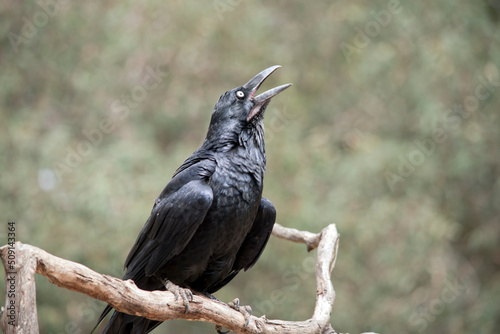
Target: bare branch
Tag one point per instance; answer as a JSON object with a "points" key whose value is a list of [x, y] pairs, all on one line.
{"points": [[126, 297], [310, 239], [19, 314]]}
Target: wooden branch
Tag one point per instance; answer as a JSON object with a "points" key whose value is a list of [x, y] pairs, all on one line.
{"points": [[19, 314], [126, 297], [310, 239]]}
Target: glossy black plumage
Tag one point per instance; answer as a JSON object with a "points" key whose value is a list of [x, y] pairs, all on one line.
{"points": [[210, 221]]}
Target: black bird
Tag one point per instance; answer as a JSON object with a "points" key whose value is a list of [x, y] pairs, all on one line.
{"points": [[211, 220]]}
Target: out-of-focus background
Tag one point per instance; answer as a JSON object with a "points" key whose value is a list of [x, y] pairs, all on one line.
{"points": [[391, 131]]}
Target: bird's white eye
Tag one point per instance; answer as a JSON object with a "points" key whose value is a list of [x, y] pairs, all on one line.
{"points": [[240, 94]]}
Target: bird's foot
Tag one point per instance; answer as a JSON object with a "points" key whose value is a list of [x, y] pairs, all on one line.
{"points": [[243, 309], [235, 304], [184, 293]]}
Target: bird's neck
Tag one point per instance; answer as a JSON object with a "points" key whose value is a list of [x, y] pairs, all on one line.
{"points": [[246, 150], [249, 138]]}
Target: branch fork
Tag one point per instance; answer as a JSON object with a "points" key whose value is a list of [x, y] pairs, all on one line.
{"points": [[126, 297]]}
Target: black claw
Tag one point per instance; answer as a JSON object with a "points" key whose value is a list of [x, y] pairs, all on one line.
{"points": [[206, 294], [219, 330]]}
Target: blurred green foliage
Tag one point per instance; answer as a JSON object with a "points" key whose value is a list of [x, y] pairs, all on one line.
{"points": [[372, 137]]}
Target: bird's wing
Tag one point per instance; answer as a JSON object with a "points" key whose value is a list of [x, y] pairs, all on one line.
{"points": [[199, 156], [254, 243], [176, 215], [257, 238]]}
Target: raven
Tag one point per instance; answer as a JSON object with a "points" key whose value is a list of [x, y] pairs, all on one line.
{"points": [[210, 221]]}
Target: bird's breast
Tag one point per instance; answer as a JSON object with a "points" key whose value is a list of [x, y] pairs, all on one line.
{"points": [[236, 199], [234, 192]]}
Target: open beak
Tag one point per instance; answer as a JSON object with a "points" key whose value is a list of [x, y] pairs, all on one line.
{"points": [[262, 100]]}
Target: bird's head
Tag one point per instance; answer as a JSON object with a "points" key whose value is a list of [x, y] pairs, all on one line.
{"points": [[239, 108]]}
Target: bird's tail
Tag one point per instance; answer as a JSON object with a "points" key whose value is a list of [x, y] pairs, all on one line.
{"points": [[101, 318], [122, 323]]}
